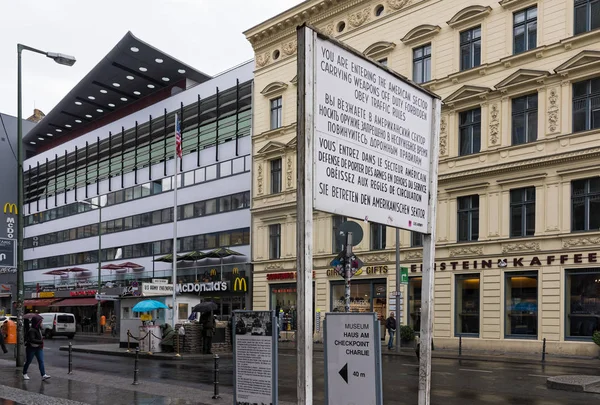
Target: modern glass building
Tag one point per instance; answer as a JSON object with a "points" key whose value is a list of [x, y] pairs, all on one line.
{"points": [[110, 143]]}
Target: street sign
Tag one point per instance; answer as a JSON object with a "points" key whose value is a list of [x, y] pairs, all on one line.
{"points": [[8, 252], [103, 297], [354, 228], [403, 275], [372, 141], [352, 359]]}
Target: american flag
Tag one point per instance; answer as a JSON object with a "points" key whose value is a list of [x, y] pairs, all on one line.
{"points": [[178, 137]]}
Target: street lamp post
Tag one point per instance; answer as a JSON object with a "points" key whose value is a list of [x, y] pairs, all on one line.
{"points": [[63, 60], [98, 308]]}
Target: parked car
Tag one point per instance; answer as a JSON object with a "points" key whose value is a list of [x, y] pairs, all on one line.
{"points": [[58, 324]]}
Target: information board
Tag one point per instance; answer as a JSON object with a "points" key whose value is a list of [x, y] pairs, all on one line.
{"points": [[352, 359], [372, 138], [255, 357], [8, 252]]}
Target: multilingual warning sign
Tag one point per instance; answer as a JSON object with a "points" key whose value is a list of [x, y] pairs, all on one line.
{"points": [[372, 138], [352, 359]]}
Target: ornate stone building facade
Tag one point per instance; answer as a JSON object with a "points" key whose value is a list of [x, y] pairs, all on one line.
{"points": [[519, 193]]}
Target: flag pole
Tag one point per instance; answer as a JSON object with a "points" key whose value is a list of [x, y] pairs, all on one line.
{"points": [[174, 276]]}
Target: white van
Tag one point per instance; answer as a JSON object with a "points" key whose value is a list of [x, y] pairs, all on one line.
{"points": [[58, 324]]}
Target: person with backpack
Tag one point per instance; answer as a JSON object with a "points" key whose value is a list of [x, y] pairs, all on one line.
{"points": [[34, 347]]}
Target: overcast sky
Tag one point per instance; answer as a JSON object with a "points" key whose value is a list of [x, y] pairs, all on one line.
{"points": [[205, 34]]}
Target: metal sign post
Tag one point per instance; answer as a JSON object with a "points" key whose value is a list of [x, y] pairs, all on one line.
{"points": [[348, 272]]}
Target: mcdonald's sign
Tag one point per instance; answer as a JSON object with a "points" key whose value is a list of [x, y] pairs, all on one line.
{"points": [[213, 272], [11, 208], [240, 284], [236, 270]]}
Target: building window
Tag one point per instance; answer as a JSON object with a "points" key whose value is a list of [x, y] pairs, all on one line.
{"points": [[583, 303], [467, 304], [585, 204], [422, 64], [377, 237], [586, 105], [525, 30], [587, 15], [470, 131], [468, 218], [522, 212], [276, 176], [275, 241], [524, 119], [414, 303], [416, 239], [276, 109], [470, 48], [336, 242], [521, 304], [383, 61]]}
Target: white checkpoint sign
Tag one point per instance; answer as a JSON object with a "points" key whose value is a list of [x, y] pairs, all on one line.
{"points": [[372, 141], [352, 359]]}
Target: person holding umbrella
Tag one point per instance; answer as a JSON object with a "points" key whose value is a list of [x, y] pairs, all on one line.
{"points": [[208, 326], [34, 347]]}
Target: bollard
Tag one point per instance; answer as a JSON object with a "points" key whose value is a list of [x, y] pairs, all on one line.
{"points": [[70, 358], [216, 393], [544, 351], [459, 345], [135, 367], [128, 340]]}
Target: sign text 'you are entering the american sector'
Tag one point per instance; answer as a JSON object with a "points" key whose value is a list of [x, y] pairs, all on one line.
{"points": [[372, 141]]}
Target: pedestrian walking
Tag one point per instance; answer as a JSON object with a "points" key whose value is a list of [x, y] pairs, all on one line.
{"points": [[113, 325], [208, 326], [34, 347], [390, 325]]}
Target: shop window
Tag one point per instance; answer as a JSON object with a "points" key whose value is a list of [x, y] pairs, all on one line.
{"points": [[587, 15], [283, 301], [586, 104], [276, 113], [468, 218], [469, 132], [336, 244], [467, 304], [525, 30], [361, 297], [524, 119], [582, 303], [414, 303], [470, 48], [585, 204], [275, 241], [378, 235], [183, 311], [422, 64], [522, 212], [521, 312], [416, 239], [276, 176]]}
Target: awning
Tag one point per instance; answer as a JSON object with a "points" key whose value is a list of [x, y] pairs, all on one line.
{"points": [[39, 303], [77, 302]]}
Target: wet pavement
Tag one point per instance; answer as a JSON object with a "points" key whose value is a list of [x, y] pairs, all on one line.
{"points": [[101, 380]]}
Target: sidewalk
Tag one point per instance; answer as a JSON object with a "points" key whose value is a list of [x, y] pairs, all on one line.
{"points": [[83, 387], [478, 355]]}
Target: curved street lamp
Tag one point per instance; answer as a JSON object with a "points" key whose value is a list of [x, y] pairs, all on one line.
{"points": [[62, 60]]}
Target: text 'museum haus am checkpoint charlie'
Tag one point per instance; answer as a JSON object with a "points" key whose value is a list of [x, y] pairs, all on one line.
{"points": [[519, 192], [110, 143]]}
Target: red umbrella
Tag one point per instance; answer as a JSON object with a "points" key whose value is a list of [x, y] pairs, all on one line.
{"points": [[111, 266], [75, 270], [132, 266], [56, 272]]}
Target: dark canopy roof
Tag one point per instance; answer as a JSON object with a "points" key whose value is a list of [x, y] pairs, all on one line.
{"points": [[131, 71]]}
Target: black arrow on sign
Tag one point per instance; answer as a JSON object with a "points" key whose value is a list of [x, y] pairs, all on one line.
{"points": [[344, 373]]}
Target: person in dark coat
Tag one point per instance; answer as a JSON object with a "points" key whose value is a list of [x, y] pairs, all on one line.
{"points": [[168, 338], [208, 326], [34, 347], [390, 325]]}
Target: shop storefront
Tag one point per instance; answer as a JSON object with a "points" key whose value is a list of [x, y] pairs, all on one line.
{"points": [[282, 298]]}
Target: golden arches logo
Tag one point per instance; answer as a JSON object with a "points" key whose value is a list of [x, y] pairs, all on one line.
{"points": [[213, 272], [236, 270], [240, 284], [10, 207]]}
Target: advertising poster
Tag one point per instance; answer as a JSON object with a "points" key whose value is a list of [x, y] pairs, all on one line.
{"points": [[255, 357]]}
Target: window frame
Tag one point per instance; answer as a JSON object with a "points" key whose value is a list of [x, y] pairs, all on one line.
{"points": [[377, 233], [423, 59], [588, 15], [471, 44], [587, 196], [276, 175], [274, 241], [469, 126], [527, 273], [457, 278], [525, 23], [276, 112], [567, 312], [529, 137], [469, 211], [414, 239], [588, 97], [524, 204], [334, 230]]}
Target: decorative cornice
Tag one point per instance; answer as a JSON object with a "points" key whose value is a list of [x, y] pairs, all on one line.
{"points": [[469, 15], [467, 92], [271, 147], [289, 48], [359, 17], [262, 59], [581, 241], [274, 88], [522, 76], [274, 266], [421, 33], [581, 60], [414, 254], [466, 251], [520, 247], [381, 257], [514, 4], [397, 4], [379, 49]]}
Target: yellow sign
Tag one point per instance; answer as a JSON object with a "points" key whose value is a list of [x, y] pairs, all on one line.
{"points": [[236, 270], [146, 317], [213, 272], [46, 294], [11, 208], [240, 284]]}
